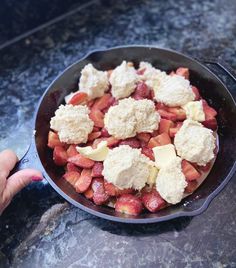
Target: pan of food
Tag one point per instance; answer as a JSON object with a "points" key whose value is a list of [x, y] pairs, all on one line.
{"points": [[136, 134]]}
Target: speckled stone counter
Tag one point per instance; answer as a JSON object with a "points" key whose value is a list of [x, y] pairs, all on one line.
{"points": [[39, 229]]}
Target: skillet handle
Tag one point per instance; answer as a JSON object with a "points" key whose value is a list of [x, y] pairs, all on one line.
{"points": [[222, 65], [29, 160]]}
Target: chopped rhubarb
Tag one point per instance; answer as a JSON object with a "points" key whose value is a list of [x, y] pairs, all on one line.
{"points": [[53, 140], [210, 112], [71, 151], [103, 102], [129, 204], [94, 135], [183, 72], [99, 194], [141, 92], [59, 156], [97, 169], [111, 141], [112, 190], [84, 181], [141, 71], [97, 116], [81, 161], [71, 177], [89, 193], [159, 140], [196, 93], [90, 103], [72, 167], [174, 130], [167, 115], [190, 172], [78, 98], [165, 125], [144, 137], [179, 112], [191, 187], [205, 168], [132, 142], [104, 133], [161, 106], [148, 152], [152, 200], [210, 123]]}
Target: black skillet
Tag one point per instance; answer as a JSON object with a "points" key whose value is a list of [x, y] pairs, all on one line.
{"points": [[211, 88]]}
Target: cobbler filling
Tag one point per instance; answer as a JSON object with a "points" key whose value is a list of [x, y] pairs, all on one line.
{"points": [[145, 143]]}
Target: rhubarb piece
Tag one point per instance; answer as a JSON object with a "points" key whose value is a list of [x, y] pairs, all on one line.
{"points": [[174, 130], [78, 98], [103, 102], [161, 106], [132, 142], [99, 194], [129, 204], [183, 72], [83, 182], [196, 93], [81, 161], [94, 135], [97, 169], [144, 137], [59, 156], [179, 112], [152, 200], [159, 140], [111, 141], [210, 112], [104, 133], [190, 172], [71, 151], [112, 190], [165, 125], [141, 92], [53, 140], [89, 193], [148, 152], [205, 168], [71, 177], [97, 116], [210, 123], [167, 115], [72, 167], [191, 187]]}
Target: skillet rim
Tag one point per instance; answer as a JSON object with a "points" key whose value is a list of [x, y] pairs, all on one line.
{"points": [[123, 219]]}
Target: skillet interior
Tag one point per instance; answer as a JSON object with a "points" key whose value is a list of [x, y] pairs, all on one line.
{"points": [[211, 89]]}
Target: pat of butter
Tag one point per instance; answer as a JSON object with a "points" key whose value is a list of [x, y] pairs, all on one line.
{"points": [[194, 111], [164, 154], [97, 154], [152, 175]]}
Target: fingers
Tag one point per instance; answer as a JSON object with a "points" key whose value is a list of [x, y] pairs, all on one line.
{"points": [[19, 180], [8, 160]]}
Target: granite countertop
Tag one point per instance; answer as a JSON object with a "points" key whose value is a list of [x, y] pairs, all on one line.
{"points": [[39, 229]]}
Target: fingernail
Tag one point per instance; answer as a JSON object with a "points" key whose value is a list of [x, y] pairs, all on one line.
{"points": [[36, 178]]}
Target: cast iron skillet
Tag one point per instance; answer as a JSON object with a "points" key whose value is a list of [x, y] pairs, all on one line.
{"points": [[211, 88]]}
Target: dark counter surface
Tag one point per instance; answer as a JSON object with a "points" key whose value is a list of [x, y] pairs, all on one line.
{"points": [[39, 229]]}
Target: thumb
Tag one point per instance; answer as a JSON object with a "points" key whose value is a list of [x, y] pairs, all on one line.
{"points": [[19, 180]]}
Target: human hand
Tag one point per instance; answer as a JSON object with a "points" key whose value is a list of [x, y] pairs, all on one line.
{"points": [[16, 182]]}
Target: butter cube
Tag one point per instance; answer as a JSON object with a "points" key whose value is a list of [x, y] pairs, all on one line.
{"points": [[97, 154], [164, 154], [152, 175]]}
